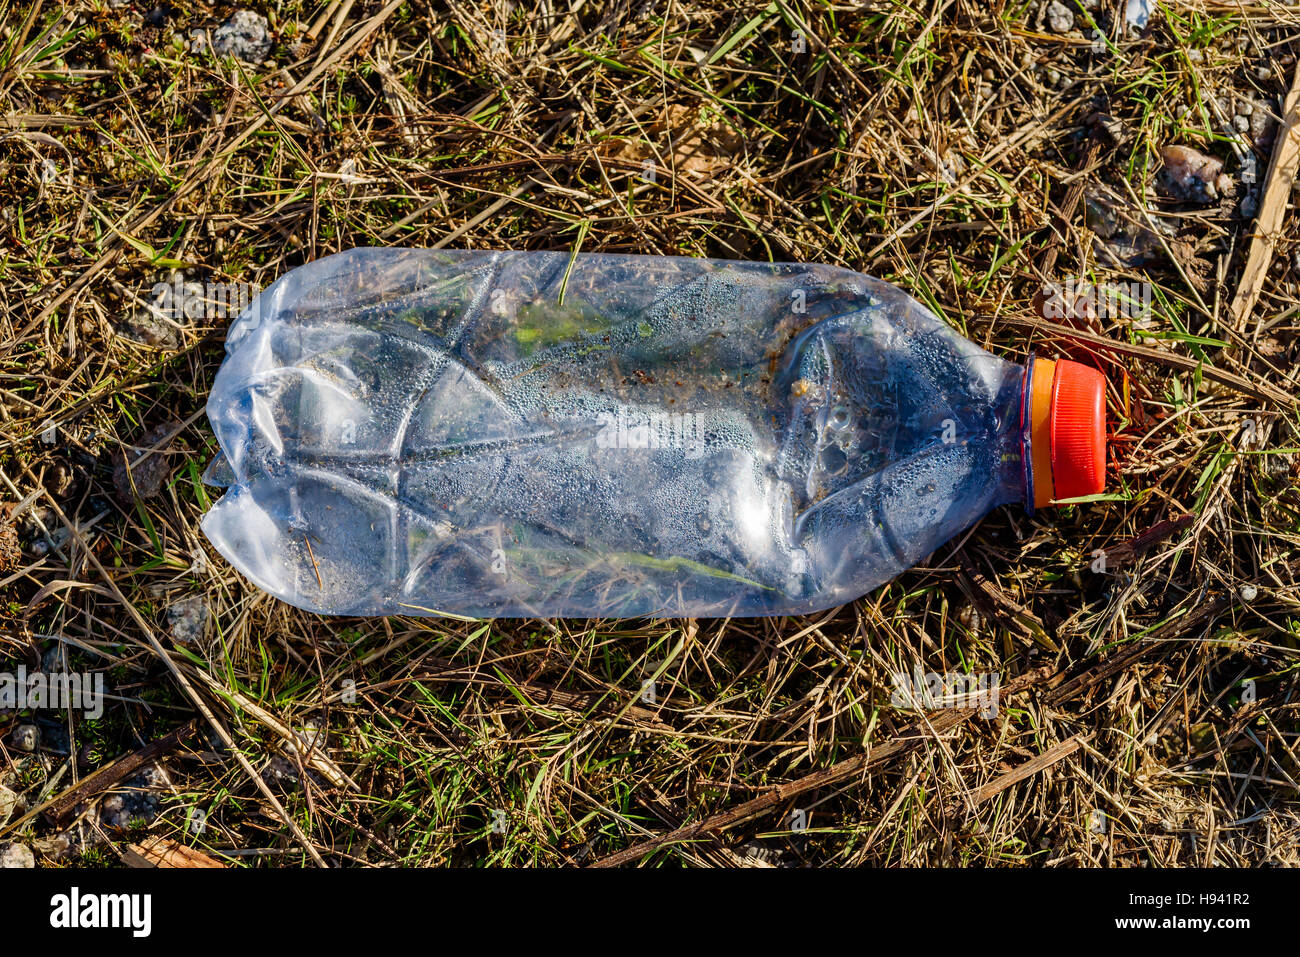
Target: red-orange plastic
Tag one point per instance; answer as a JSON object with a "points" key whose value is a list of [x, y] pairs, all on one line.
{"points": [[1078, 430]]}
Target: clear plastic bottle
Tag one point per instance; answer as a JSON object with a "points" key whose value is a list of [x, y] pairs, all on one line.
{"points": [[534, 434]]}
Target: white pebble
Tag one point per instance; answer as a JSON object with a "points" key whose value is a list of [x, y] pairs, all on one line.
{"points": [[1060, 18]]}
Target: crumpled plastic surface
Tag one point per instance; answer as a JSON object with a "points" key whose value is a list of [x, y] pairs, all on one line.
{"points": [[532, 434]]}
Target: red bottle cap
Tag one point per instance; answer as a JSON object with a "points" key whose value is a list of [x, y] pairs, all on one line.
{"points": [[1068, 430]]}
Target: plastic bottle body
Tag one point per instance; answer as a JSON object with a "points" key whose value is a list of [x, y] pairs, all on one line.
{"points": [[530, 434]]}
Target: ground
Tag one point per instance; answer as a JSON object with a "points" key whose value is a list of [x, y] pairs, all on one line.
{"points": [[974, 153]]}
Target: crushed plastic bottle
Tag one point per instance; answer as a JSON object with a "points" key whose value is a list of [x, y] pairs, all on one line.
{"points": [[533, 434]]}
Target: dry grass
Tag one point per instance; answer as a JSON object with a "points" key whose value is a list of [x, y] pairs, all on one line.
{"points": [[942, 145]]}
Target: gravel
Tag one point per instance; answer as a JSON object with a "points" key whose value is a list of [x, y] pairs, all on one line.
{"points": [[140, 799]]}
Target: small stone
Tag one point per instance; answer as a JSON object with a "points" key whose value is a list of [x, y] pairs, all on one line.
{"points": [[1106, 125], [312, 736], [756, 855], [1137, 14], [16, 856], [244, 36], [1248, 592], [112, 811], [281, 771], [152, 777], [1053, 77], [1188, 175], [1263, 128], [148, 326], [146, 476], [1195, 55], [1245, 107], [42, 530], [26, 737], [1242, 123], [1263, 73], [139, 800], [11, 552], [9, 802], [58, 481], [947, 168], [1249, 168], [970, 618], [187, 620], [56, 848], [1101, 215], [1060, 18]]}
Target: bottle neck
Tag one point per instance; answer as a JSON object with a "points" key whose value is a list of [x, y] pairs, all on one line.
{"points": [[1015, 414]]}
